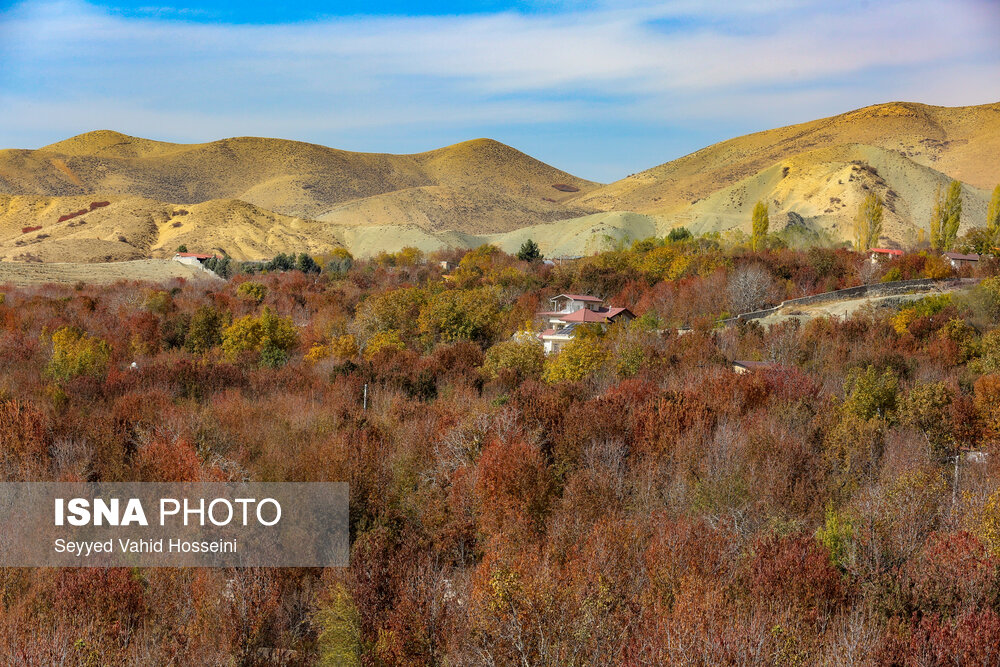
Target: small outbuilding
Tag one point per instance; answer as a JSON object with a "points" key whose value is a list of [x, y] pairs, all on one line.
{"points": [[958, 260]]}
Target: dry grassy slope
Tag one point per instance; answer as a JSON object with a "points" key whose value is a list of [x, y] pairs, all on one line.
{"points": [[583, 235], [288, 177], [825, 187], [961, 142], [472, 210], [134, 227]]}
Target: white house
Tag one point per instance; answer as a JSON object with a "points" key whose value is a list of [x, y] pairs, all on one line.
{"points": [[570, 311], [191, 258]]}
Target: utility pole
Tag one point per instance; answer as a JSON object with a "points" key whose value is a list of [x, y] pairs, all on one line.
{"points": [[365, 400]]}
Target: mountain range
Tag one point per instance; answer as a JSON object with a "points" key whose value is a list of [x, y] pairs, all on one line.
{"points": [[106, 196]]}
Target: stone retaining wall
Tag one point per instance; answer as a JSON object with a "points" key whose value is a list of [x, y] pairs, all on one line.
{"points": [[877, 289]]}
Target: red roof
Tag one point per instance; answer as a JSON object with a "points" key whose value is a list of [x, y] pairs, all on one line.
{"points": [[887, 251], [578, 297], [960, 256], [584, 315], [196, 255]]}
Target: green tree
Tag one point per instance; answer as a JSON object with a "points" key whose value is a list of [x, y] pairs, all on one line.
{"points": [[457, 314], [339, 263], [529, 252], [760, 225], [870, 393], [182, 248], [394, 310], [306, 264], [993, 216], [868, 223], [204, 331], [946, 217], [271, 336], [679, 234]]}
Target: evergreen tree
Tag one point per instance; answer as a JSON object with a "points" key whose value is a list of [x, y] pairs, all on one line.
{"points": [[679, 234], [306, 264], [529, 252], [760, 226]]}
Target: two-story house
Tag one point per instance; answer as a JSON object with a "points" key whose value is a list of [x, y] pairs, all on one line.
{"points": [[570, 311]]}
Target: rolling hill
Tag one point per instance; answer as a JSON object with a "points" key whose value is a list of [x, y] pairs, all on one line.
{"points": [[254, 197]]}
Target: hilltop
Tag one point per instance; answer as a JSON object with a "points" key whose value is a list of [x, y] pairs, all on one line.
{"points": [[905, 148]]}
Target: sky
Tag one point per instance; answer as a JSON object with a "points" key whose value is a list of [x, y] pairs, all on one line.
{"points": [[600, 89]]}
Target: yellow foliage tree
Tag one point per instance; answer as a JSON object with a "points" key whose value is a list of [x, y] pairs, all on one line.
{"points": [[868, 223], [522, 355], [75, 352], [384, 340], [993, 216], [581, 358], [760, 225]]}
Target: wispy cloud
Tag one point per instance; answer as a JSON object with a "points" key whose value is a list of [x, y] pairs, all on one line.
{"points": [[69, 67]]}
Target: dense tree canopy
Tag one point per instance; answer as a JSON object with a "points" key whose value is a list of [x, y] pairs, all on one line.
{"points": [[628, 500]]}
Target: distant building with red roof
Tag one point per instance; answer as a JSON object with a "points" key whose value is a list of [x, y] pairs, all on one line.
{"points": [[192, 258], [572, 310], [876, 253]]}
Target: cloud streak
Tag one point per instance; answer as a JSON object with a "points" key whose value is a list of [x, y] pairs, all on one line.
{"points": [[69, 67]]}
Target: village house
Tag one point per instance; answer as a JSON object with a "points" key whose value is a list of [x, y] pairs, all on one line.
{"points": [[570, 311], [191, 258], [877, 254], [958, 260]]}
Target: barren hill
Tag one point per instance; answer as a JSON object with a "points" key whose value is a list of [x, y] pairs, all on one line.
{"points": [[960, 142], [254, 197], [290, 177]]}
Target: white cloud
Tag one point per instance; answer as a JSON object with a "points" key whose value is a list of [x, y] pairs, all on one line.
{"points": [[69, 66]]}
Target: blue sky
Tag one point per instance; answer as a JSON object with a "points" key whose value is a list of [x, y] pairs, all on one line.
{"points": [[601, 89]]}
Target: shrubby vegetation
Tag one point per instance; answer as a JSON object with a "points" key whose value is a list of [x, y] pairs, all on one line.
{"points": [[630, 500]]}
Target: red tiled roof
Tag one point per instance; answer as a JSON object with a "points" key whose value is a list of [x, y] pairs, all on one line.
{"points": [[887, 251], [196, 255], [584, 315], [578, 297]]}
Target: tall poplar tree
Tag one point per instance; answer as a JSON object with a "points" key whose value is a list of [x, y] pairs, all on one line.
{"points": [[868, 222], [760, 226]]}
